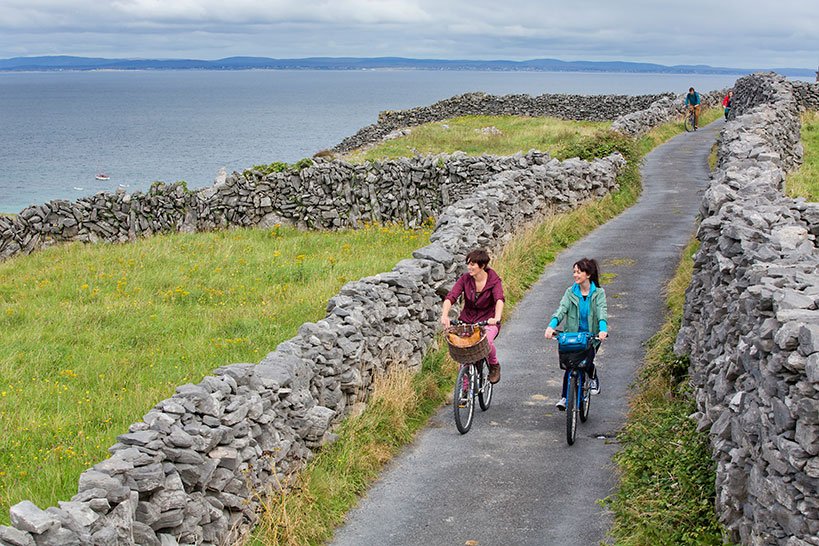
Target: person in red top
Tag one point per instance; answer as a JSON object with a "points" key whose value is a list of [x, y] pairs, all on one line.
{"points": [[727, 102], [482, 290]]}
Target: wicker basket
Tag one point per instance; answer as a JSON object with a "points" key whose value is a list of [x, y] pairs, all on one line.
{"points": [[467, 343]]}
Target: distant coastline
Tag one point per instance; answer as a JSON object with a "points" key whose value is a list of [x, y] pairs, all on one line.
{"points": [[74, 64]]}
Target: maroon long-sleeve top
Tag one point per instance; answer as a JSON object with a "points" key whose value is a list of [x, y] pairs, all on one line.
{"points": [[477, 306]]}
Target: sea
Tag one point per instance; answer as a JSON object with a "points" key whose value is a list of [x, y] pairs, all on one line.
{"points": [[58, 130]]}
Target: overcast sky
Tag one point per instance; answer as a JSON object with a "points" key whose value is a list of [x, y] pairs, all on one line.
{"points": [[741, 34]]}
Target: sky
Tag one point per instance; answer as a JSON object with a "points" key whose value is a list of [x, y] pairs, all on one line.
{"points": [[738, 34]]}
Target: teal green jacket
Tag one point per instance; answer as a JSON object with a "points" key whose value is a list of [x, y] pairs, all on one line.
{"points": [[569, 309]]}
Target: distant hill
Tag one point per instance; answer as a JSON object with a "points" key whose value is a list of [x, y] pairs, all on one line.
{"points": [[57, 63]]}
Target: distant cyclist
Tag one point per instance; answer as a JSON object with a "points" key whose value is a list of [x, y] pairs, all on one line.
{"points": [[692, 102], [483, 300], [727, 103], [584, 309]]}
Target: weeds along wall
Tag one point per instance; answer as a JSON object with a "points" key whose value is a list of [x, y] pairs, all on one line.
{"points": [[192, 470], [751, 322], [576, 107]]}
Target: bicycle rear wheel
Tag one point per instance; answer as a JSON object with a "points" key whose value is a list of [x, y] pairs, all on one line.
{"points": [[571, 410], [484, 386], [585, 400], [463, 403]]}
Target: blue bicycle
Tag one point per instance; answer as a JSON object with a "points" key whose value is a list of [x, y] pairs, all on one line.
{"points": [[573, 353]]}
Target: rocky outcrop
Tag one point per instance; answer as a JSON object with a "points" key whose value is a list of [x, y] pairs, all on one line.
{"points": [[751, 323]]}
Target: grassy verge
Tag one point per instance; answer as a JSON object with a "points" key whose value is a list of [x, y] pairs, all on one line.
{"points": [[805, 181], [93, 336], [316, 499], [666, 494]]}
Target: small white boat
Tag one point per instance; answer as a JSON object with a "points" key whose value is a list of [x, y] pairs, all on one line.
{"points": [[102, 176]]}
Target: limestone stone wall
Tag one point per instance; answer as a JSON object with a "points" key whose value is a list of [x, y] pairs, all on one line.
{"points": [[577, 107], [189, 472], [660, 111], [751, 323], [327, 195]]}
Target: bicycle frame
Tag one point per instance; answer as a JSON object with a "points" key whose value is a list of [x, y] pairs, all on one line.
{"points": [[473, 375]]}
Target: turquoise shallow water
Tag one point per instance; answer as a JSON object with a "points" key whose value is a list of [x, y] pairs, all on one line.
{"points": [[58, 130]]}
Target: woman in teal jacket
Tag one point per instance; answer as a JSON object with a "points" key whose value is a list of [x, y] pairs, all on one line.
{"points": [[584, 309]]}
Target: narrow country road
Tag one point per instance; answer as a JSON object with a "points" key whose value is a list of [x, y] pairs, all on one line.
{"points": [[513, 480]]}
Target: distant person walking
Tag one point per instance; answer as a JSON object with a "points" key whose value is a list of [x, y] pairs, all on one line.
{"points": [[727, 102], [692, 102]]}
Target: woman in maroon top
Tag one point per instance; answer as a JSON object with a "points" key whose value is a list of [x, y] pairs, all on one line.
{"points": [[483, 300]]}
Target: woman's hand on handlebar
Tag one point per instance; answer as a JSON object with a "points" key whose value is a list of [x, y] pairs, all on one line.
{"points": [[445, 322], [602, 335], [549, 333], [492, 321]]}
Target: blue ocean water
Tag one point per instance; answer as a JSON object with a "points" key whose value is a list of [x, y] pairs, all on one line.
{"points": [[57, 130]]}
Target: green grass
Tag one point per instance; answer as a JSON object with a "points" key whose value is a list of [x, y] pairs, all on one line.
{"points": [[666, 494], [316, 499], [805, 181], [93, 336], [493, 135]]}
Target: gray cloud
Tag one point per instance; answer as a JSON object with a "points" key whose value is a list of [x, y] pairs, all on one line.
{"points": [[749, 34]]}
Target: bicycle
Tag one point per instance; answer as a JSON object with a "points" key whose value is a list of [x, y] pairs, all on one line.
{"points": [[689, 119], [573, 352], [469, 347]]}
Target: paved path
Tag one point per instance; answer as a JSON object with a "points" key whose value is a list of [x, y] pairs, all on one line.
{"points": [[513, 480]]}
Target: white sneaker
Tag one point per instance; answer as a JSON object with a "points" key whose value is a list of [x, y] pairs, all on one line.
{"points": [[594, 386], [561, 404]]}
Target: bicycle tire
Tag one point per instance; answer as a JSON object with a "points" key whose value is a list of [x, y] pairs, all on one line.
{"points": [[585, 401], [571, 410], [463, 403], [485, 388], [688, 122]]}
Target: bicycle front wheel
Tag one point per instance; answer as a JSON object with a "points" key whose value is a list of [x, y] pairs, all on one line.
{"points": [[571, 410], [463, 403], [689, 121], [585, 400], [484, 387]]}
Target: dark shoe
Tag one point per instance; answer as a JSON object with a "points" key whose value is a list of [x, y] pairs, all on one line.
{"points": [[494, 373]]}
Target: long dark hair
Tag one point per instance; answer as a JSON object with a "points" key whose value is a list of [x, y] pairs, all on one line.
{"points": [[589, 267]]}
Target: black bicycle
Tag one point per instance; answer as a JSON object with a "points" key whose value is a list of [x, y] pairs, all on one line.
{"points": [[574, 349], [469, 347]]}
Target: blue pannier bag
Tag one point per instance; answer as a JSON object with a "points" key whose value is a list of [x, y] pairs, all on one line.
{"points": [[573, 342]]}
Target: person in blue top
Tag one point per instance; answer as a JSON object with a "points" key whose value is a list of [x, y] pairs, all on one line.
{"points": [[584, 309], [692, 101]]}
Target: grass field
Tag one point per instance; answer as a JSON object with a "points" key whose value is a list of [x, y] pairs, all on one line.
{"points": [[93, 336], [805, 181], [493, 135]]}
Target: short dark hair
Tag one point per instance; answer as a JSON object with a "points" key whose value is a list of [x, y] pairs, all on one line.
{"points": [[589, 267], [690, 88], [478, 256]]}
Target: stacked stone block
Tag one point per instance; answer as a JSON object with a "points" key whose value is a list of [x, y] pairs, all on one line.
{"points": [[751, 324]]}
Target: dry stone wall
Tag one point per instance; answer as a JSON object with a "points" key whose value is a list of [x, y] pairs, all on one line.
{"points": [[577, 107], [751, 323], [190, 471], [328, 195], [665, 109]]}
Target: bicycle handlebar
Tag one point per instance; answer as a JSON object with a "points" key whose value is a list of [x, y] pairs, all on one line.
{"points": [[456, 322]]}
